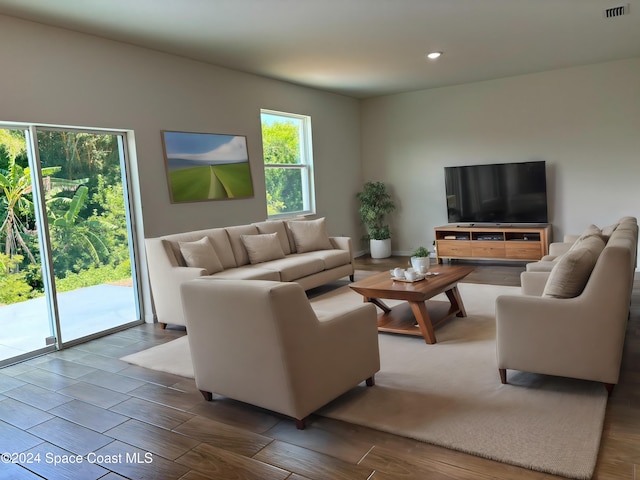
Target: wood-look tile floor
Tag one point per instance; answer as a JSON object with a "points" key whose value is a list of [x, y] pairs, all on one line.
{"points": [[129, 422]]}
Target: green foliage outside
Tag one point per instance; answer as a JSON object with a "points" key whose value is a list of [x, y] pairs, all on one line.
{"points": [[80, 242], [94, 276], [13, 285], [85, 209], [281, 145]]}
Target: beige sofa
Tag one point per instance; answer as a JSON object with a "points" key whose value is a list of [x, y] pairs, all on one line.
{"points": [[295, 251], [571, 321], [262, 343], [557, 249]]}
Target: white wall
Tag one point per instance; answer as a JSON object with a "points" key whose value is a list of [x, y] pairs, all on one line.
{"points": [[584, 122], [55, 76]]}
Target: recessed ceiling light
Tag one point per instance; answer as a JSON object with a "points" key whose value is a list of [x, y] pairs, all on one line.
{"points": [[433, 55]]}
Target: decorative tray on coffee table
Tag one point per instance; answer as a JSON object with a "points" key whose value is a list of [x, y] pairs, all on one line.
{"points": [[419, 277]]}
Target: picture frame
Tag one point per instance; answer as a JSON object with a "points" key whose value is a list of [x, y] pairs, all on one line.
{"points": [[206, 166]]}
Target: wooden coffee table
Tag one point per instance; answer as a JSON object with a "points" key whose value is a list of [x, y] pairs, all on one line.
{"points": [[402, 318]]}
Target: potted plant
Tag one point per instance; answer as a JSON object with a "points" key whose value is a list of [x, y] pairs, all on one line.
{"points": [[375, 204], [420, 260]]}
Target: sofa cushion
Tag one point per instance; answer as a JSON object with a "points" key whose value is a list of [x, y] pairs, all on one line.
{"points": [[608, 230], [332, 258], [310, 235], [590, 231], [279, 227], [571, 273], [295, 266], [217, 236], [201, 254], [247, 272], [262, 247], [239, 252], [221, 244]]}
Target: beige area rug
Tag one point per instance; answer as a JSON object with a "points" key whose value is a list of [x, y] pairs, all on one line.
{"points": [[449, 394]]}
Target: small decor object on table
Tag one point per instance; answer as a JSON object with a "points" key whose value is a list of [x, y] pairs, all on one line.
{"points": [[409, 275], [397, 272], [420, 260]]}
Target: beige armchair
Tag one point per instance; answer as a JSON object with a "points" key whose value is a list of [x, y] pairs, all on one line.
{"points": [[260, 342], [581, 336]]}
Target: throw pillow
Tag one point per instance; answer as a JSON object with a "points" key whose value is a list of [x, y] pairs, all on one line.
{"points": [[590, 232], [201, 254], [263, 247], [310, 235], [276, 226], [570, 274]]}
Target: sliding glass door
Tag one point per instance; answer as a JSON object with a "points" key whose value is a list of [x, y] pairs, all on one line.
{"points": [[26, 326], [68, 241]]}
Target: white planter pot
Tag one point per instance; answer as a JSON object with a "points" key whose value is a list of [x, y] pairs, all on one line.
{"points": [[421, 264], [380, 248]]}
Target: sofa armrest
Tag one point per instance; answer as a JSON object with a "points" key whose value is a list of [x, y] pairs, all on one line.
{"points": [[352, 337], [558, 248], [564, 337], [344, 243], [533, 282], [341, 243], [165, 277], [166, 293], [541, 266], [570, 238]]}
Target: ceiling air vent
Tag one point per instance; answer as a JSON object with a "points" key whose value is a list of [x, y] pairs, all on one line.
{"points": [[617, 11]]}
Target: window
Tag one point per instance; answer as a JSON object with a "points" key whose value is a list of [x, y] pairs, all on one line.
{"points": [[288, 165]]}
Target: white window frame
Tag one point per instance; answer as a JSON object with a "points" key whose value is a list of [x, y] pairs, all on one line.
{"points": [[305, 165]]}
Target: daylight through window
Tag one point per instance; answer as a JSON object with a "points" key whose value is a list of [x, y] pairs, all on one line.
{"points": [[286, 146]]}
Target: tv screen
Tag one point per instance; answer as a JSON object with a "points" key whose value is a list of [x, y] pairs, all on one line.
{"points": [[497, 193]]}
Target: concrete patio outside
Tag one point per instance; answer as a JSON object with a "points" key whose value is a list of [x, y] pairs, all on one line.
{"points": [[84, 311]]}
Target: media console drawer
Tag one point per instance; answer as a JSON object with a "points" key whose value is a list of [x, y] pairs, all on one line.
{"points": [[524, 250], [454, 248], [487, 249]]}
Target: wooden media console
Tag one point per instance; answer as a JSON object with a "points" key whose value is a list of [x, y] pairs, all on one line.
{"points": [[487, 242]]}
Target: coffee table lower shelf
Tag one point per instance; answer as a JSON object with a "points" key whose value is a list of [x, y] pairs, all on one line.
{"points": [[401, 319]]}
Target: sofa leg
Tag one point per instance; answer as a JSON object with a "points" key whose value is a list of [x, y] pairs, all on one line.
{"points": [[208, 396], [163, 325], [503, 375], [352, 277], [371, 381], [300, 424], [609, 387]]}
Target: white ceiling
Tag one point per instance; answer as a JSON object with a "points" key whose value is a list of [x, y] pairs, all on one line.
{"points": [[360, 48]]}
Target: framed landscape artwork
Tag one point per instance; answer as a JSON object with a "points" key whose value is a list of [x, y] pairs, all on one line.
{"points": [[206, 166]]}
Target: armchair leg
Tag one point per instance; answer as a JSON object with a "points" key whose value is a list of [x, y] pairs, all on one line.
{"points": [[208, 396], [163, 325], [371, 381], [503, 375], [300, 424], [352, 277]]}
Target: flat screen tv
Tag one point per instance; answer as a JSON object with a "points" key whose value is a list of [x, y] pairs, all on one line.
{"points": [[497, 193]]}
